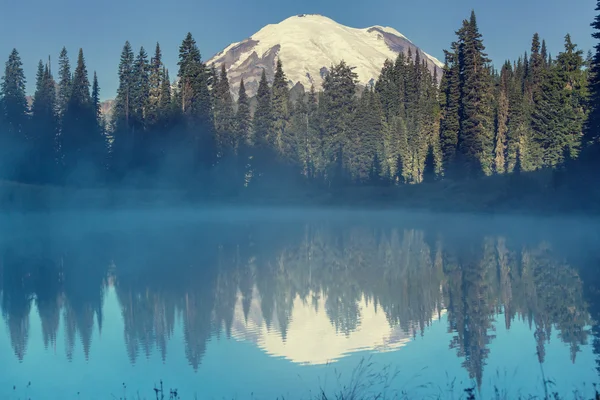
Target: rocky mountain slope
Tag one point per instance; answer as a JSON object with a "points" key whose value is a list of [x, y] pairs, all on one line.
{"points": [[308, 45]]}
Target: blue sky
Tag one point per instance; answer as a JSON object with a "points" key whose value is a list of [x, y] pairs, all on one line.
{"points": [[38, 28]]}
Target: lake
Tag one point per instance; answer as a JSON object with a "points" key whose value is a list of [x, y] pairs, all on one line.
{"points": [[281, 303]]}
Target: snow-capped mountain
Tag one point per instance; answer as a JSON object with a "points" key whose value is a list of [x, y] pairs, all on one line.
{"points": [[308, 45]]}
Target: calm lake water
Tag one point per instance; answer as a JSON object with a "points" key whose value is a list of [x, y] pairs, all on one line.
{"points": [[269, 303]]}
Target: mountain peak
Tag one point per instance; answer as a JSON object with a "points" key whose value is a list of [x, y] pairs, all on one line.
{"points": [[308, 45]]}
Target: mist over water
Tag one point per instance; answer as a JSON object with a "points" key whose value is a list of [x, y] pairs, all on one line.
{"points": [[242, 302]]}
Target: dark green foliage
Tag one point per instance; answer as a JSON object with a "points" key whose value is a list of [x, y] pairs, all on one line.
{"points": [[153, 109], [14, 104], [558, 115], [450, 89], [280, 99], [429, 174], [243, 123], [81, 142], [140, 95], [64, 81], [43, 130], [263, 116], [592, 132], [224, 116], [502, 116], [13, 118], [476, 113], [336, 107]]}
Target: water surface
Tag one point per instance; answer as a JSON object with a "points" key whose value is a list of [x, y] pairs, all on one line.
{"points": [[269, 303]]}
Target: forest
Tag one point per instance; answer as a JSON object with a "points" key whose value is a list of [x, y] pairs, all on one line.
{"points": [[537, 114]]}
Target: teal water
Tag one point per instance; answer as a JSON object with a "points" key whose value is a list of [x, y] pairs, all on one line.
{"points": [[267, 305]]}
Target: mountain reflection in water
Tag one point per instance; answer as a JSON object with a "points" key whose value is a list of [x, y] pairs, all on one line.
{"points": [[308, 292]]}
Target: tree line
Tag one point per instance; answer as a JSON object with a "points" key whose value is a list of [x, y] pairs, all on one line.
{"points": [[410, 126]]}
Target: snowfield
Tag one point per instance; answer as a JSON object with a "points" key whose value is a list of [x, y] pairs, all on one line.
{"points": [[307, 45]]}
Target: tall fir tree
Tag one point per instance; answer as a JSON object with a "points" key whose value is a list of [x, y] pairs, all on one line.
{"points": [[502, 109], [476, 137], [122, 116], [82, 144], [140, 94], [336, 107], [224, 115], [155, 80], [517, 125], [263, 115], [44, 129], [280, 98], [450, 123], [14, 103], [196, 102], [243, 123], [64, 81], [592, 129]]}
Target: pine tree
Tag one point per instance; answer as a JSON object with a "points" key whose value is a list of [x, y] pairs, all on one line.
{"points": [[14, 102], [517, 126], [81, 141], [96, 99], [123, 107], [44, 129], [64, 83], [315, 162], [155, 81], [450, 125], [196, 102], [592, 131], [502, 120], [336, 107], [165, 101], [476, 137], [140, 94], [297, 144], [429, 174], [243, 123], [13, 118], [280, 98], [559, 114], [224, 115], [263, 120]]}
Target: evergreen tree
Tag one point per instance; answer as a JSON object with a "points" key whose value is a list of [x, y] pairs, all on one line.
{"points": [[155, 81], [450, 124], [14, 103], [243, 123], [315, 162], [280, 98], [165, 102], [64, 83], [82, 144], [592, 132], [336, 107], [263, 120], [196, 102], [429, 174], [559, 114], [502, 109], [517, 125], [123, 107], [44, 129], [224, 115], [140, 95], [96, 99], [476, 137]]}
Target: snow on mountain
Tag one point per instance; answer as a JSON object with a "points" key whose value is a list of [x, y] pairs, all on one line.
{"points": [[308, 45]]}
